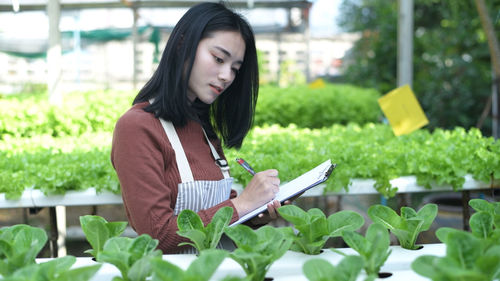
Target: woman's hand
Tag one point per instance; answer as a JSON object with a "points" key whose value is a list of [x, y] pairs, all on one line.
{"points": [[271, 214], [262, 189]]}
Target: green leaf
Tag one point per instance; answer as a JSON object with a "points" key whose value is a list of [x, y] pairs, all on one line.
{"points": [[79, 274], [426, 266], [243, 236], [481, 205], [205, 265], [385, 216], [188, 219], [356, 241], [96, 231], [428, 213], [141, 246], [116, 228], [443, 232], [198, 238], [344, 220], [463, 248], [318, 270], [481, 224], [165, 271], [408, 212], [349, 268], [293, 214], [141, 269]]}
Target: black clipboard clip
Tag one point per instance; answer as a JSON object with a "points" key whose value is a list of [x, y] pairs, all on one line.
{"points": [[330, 170]]}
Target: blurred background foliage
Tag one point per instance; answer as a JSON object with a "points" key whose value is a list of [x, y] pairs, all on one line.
{"points": [[452, 68]]}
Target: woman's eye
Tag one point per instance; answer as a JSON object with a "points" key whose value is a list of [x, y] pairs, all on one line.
{"points": [[235, 71], [218, 60]]}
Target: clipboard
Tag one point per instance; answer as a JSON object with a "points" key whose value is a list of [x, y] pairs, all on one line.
{"points": [[300, 184]]}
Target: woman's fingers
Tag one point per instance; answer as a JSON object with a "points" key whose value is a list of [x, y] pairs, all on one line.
{"points": [[271, 208]]}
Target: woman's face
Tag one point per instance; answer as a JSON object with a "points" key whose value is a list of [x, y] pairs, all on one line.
{"points": [[218, 59]]}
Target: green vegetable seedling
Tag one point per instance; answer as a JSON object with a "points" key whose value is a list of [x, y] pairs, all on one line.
{"points": [[466, 259], [483, 224], [97, 231], [348, 269], [407, 226], [191, 226], [19, 246], [493, 209], [257, 249], [131, 256], [373, 248], [201, 269], [54, 270], [314, 229]]}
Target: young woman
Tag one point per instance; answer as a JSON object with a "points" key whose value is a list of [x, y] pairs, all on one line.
{"points": [[167, 148]]}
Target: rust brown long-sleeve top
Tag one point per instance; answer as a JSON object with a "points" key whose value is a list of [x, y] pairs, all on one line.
{"points": [[145, 163]]}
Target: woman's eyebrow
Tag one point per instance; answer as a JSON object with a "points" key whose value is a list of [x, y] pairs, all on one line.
{"points": [[227, 53]]}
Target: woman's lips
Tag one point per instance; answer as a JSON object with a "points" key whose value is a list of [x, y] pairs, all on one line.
{"points": [[216, 89]]}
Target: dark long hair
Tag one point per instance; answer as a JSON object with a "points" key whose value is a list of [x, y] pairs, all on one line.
{"points": [[231, 115]]}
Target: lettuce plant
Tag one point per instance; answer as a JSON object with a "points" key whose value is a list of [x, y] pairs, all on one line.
{"points": [[493, 209], [373, 248], [257, 249], [314, 229], [19, 246], [54, 270], [483, 224], [348, 269], [97, 231], [467, 258], [201, 269], [407, 226], [191, 226], [473, 255], [131, 256]]}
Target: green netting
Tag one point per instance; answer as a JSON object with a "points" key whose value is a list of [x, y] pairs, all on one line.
{"points": [[96, 36]]}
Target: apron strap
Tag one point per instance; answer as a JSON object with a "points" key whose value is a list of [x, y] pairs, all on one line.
{"points": [[222, 163], [180, 156]]}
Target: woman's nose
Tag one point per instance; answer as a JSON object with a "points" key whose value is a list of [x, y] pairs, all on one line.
{"points": [[225, 74]]}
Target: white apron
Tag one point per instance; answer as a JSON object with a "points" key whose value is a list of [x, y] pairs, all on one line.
{"points": [[198, 195]]}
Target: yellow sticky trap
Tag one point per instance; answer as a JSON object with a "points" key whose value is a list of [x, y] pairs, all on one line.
{"points": [[317, 84], [403, 110]]}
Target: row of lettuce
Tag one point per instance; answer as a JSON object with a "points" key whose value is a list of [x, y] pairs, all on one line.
{"points": [[473, 255], [90, 112], [56, 149], [443, 157]]}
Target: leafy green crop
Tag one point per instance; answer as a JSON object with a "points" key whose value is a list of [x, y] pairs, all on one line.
{"points": [[316, 108], [55, 165], [131, 256], [201, 269], [435, 159], [257, 249], [19, 246], [484, 224], [314, 229], [54, 270], [348, 269], [191, 226], [407, 226], [97, 231], [466, 259], [471, 255], [493, 209], [373, 248]]}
